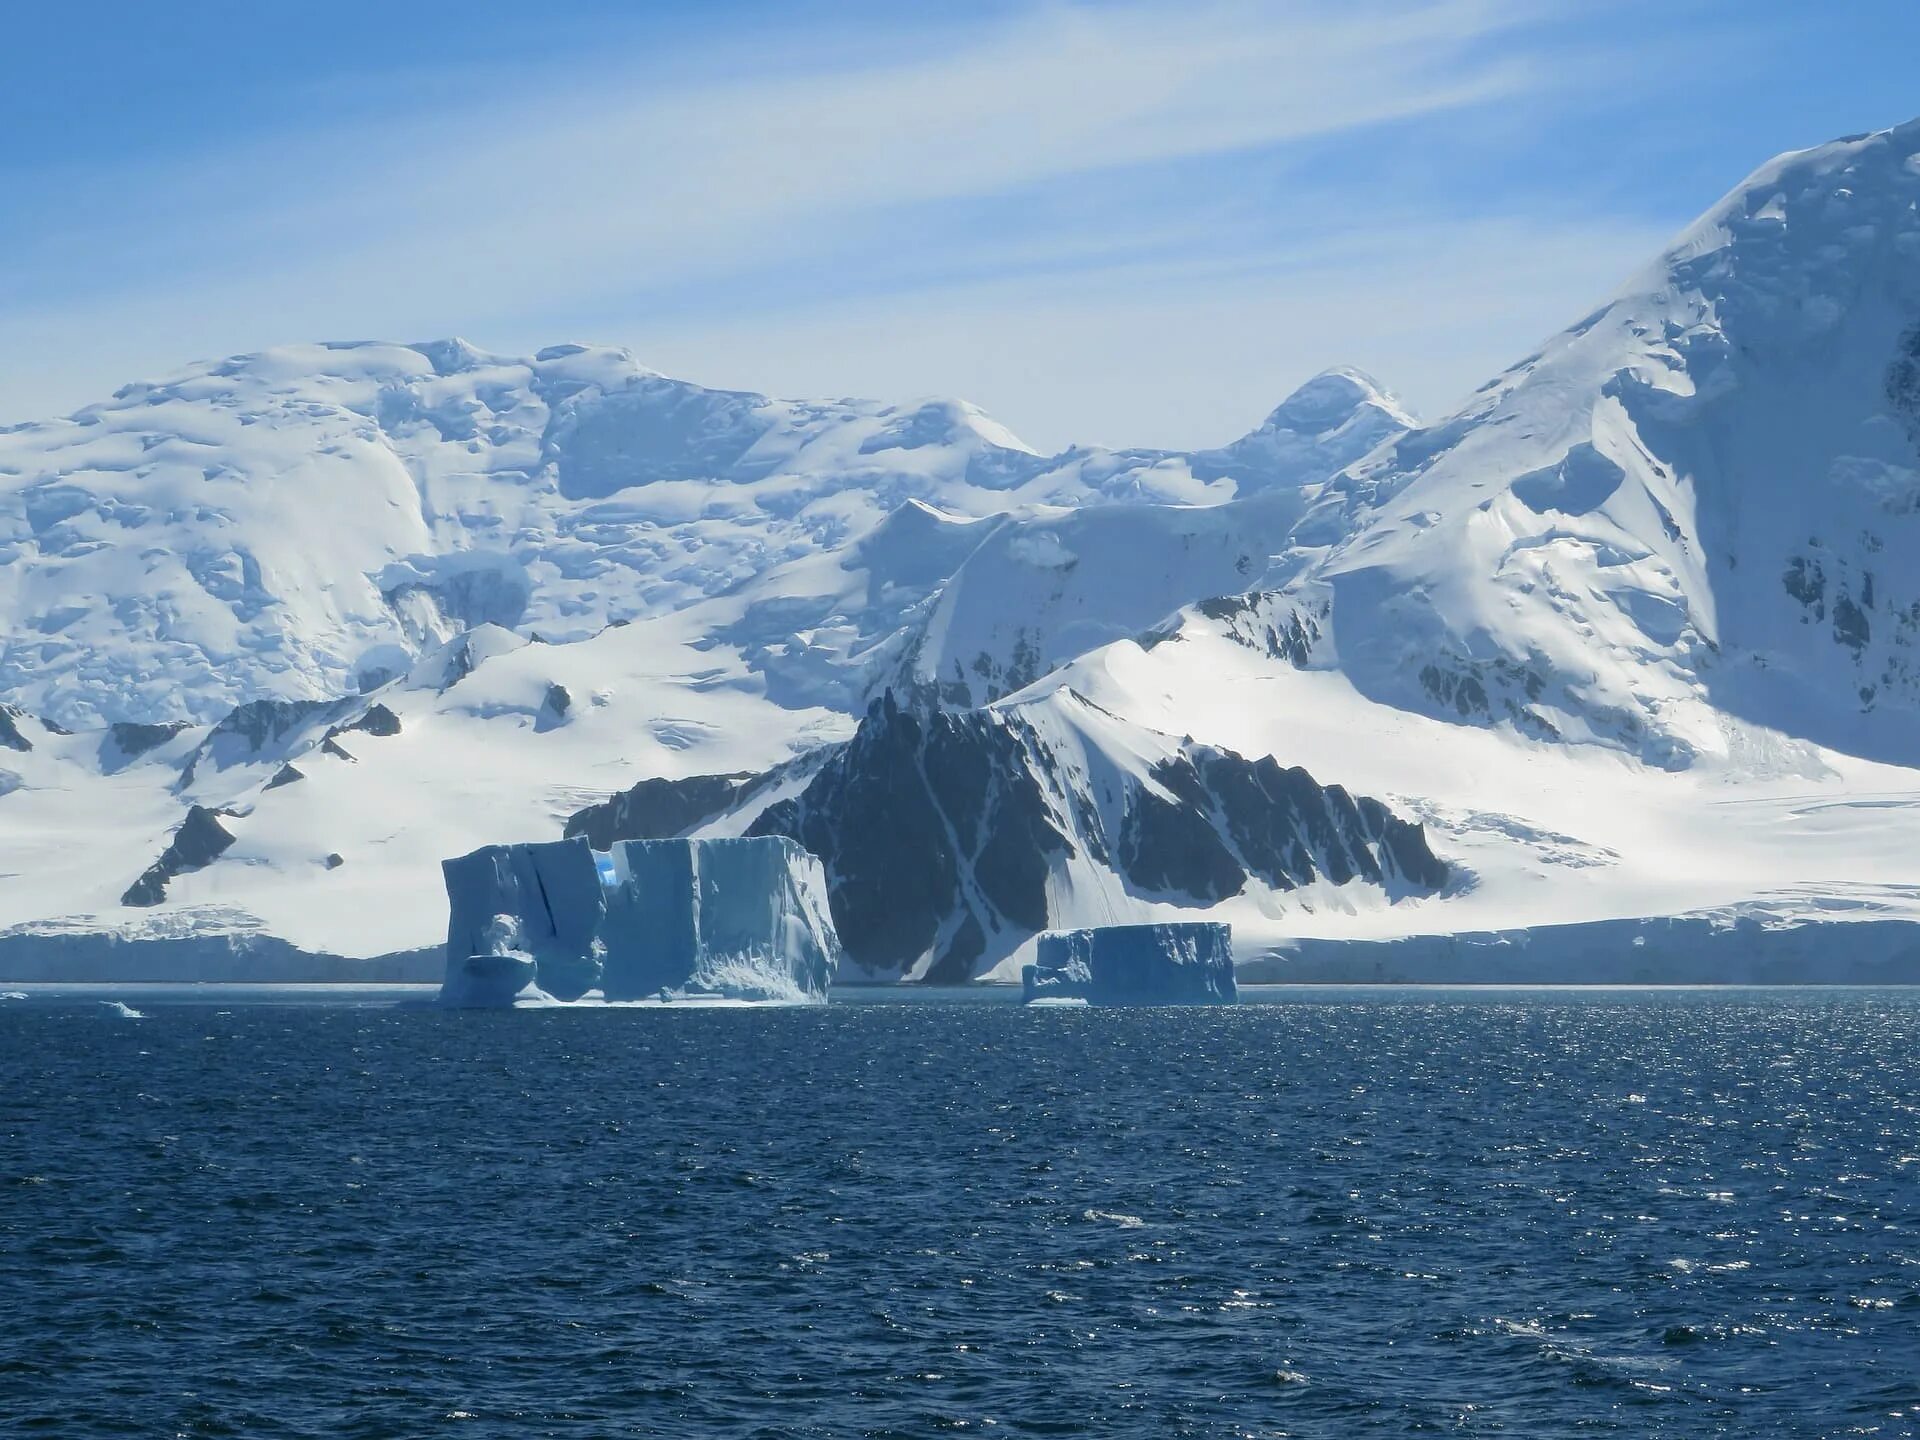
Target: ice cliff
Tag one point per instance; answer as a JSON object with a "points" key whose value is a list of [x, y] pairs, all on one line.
{"points": [[1182, 964], [740, 919]]}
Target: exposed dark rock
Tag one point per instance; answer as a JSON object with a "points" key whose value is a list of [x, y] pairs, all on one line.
{"points": [[893, 879], [248, 729], [658, 809], [334, 861], [132, 739], [200, 840], [10, 735], [331, 746], [939, 833], [1234, 817], [259, 723], [1271, 624], [555, 706], [378, 720], [1167, 847], [1850, 625], [1806, 582], [286, 775], [1903, 383]]}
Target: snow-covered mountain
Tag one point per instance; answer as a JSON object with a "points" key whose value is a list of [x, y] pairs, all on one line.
{"points": [[1621, 654], [302, 523], [1692, 516]]}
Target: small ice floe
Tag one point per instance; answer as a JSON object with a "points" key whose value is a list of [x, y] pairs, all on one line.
{"points": [[1113, 1217], [13, 994], [120, 1010]]}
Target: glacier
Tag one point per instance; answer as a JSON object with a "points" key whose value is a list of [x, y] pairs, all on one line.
{"points": [[1177, 964], [557, 922]]}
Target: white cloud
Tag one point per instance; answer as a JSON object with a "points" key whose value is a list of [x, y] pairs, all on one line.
{"points": [[584, 193], [1180, 359]]}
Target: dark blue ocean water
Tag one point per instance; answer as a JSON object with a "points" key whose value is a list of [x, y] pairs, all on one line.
{"points": [[1332, 1214]]}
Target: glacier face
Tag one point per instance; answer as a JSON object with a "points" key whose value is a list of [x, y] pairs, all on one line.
{"points": [[1627, 640], [743, 918]]}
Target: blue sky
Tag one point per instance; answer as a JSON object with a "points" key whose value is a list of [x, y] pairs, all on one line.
{"points": [[1123, 223]]}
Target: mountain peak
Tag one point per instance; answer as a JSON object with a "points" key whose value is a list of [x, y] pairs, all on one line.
{"points": [[1332, 398]]}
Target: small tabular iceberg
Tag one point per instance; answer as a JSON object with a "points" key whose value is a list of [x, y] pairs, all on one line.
{"points": [[1184, 964], [738, 919]]}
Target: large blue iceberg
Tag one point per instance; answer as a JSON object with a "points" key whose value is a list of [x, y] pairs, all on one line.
{"points": [[1183, 964], [745, 918], [742, 919], [523, 921]]}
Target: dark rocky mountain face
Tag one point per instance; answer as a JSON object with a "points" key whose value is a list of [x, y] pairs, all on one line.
{"points": [[200, 840], [658, 809], [1231, 819], [10, 735], [940, 831]]}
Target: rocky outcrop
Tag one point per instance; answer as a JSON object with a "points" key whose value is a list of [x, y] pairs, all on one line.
{"points": [[946, 835], [10, 735], [255, 730], [935, 831], [659, 809], [200, 840], [126, 742], [1224, 818], [378, 720]]}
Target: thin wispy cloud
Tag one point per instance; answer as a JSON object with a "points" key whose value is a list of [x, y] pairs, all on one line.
{"points": [[1088, 162]]}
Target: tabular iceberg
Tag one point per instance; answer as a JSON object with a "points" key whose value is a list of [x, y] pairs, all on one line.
{"points": [[523, 922], [742, 919], [1183, 964], [746, 918]]}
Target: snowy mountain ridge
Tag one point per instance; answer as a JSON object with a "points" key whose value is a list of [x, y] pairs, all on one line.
{"points": [[1688, 516], [302, 523]]}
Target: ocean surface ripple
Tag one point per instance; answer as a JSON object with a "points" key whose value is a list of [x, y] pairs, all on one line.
{"points": [[1333, 1213]]}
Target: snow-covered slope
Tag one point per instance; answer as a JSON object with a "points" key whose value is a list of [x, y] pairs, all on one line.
{"points": [[1693, 514], [339, 825]]}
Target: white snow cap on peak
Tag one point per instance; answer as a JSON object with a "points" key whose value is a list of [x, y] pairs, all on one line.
{"points": [[1332, 398]]}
